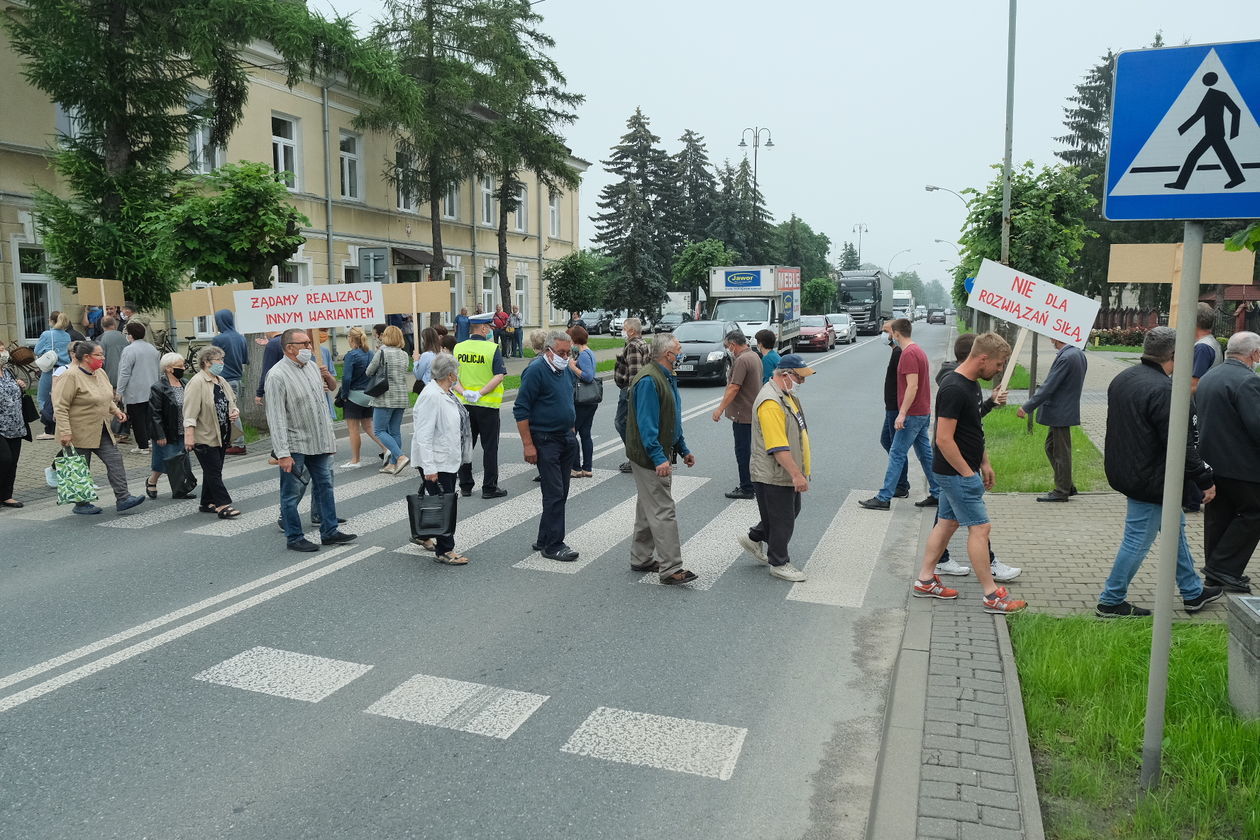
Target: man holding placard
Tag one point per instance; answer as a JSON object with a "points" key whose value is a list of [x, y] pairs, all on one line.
{"points": [[1059, 401]]}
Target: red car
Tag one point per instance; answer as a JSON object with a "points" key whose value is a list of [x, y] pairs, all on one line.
{"points": [[816, 334]]}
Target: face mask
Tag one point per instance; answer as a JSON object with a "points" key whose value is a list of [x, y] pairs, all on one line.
{"points": [[95, 363], [4, 357], [891, 341], [305, 355], [789, 387], [179, 372], [557, 364], [216, 368]]}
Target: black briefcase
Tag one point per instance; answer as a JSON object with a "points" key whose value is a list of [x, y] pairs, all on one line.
{"points": [[432, 516]]}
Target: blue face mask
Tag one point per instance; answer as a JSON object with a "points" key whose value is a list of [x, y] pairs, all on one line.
{"points": [[217, 368]]}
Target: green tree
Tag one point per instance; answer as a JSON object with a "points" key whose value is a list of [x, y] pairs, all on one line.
{"points": [[697, 187], [794, 242], [127, 71], [636, 282], [235, 224], [910, 280], [728, 218], [577, 281], [756, 219], [934, 294], [818, 297], [691, 269], [849, 258], [1248, 237]]}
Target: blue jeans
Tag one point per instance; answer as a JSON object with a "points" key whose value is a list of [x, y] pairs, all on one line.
{"points": [[914, 434], [387, 423], [1141, 526], [962, 500], [239, 440], [43, 396], [317, 470], [885, 440], [743, 451]]}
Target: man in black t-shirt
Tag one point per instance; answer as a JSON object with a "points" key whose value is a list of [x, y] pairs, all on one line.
{"points": [[962, 467]]}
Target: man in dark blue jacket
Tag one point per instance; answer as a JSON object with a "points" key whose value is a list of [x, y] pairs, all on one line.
{"points": [[235, 357], [1138, 404], [1059, 401], [545, 417]]}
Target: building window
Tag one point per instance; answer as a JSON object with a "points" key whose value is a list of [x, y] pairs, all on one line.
{"points": [[553, 207], [452, 275], [34, 291], [350, 274], [373, 265], [350, 167], [406, 196], [203, 156], [410, 275], [520, 290], [489, 286], [518, 220], [293, 273], [284, 149], [450, 204], [489, 215], [69, 122]]}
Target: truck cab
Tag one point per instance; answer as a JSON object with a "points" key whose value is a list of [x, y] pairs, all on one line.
{"points": [[758, 298]]}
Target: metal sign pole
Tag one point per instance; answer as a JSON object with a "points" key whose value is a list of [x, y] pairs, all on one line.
{"points": [[1170, 521]]}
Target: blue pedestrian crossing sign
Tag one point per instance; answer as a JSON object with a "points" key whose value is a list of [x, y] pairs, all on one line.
{"points": [[1185, 143]]}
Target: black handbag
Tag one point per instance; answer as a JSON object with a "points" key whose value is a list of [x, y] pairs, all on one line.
{"points": [[378, 383], [339, 399], [588, 393], [432, 516], [179, 473], [29, 412]]}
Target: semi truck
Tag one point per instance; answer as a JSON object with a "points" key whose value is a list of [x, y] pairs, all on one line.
{"points": [[868, 298], [758, 297], [903, 304]]}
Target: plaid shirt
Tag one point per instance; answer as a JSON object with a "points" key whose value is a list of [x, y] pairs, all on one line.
{"points": [[632, 358]]}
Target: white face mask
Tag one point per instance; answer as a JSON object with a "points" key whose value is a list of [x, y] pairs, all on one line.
{"points": [[4, 357], [557, 364], [305, 355]]}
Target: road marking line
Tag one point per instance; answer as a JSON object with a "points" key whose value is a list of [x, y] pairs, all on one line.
{"points": [[95, 666], [599, 536], [178, 508], [486, 524], [839, 571], [665, 743], [712, 549], [283, 673], [463, 706]]}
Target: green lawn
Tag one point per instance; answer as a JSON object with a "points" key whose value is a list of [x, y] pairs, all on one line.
{"points": [[1115, 348], [1084, 688], [1019, 380], [1019, 459]]}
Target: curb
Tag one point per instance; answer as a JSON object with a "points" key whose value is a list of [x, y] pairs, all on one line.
{"points": [[1025, 777]]}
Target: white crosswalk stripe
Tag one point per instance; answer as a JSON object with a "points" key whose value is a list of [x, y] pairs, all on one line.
{"points": [[712, 550], [599, 536], [172, 510], [463, 706], [283, 673], [839, 571]]}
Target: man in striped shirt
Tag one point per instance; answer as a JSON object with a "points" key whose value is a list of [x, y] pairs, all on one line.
{"points": [[630, 361]]}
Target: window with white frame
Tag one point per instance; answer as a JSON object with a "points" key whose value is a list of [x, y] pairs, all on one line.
{"points": [[203, 156], [406, 196], [36, 293], [350, 274], [293, 272], [68, 121], [489, 215], [450, 204], [351, 166], [284, 149], [553, 207], [519, 215], [489, 286], [453, 275], [520, 290]]}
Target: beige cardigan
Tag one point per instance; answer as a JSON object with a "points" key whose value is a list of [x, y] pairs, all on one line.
{"points": [[82, 405], [199, 407]]}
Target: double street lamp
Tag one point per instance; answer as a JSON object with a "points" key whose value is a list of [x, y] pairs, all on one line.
{"points": [[859, 229], [756, 144]]}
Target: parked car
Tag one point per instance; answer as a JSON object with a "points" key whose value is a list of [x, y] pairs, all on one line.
{"points": [[672, 320], [949, 310], [597, 321], [620, 319], [843, 326], [936, 316], [815, 334], [703, 355]]}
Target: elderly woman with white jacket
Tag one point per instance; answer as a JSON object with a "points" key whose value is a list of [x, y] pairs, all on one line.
{"points": [[441, 441]]}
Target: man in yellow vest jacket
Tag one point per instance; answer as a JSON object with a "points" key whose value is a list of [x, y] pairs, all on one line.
{"points": [[480, 387]]}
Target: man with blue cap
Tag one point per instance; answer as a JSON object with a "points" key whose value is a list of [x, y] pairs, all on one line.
{"points": [[480, 387]]}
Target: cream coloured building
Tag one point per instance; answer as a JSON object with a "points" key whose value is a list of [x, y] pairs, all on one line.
{"points": [[362, 228]]}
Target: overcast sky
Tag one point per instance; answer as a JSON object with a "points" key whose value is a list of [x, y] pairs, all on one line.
{"points": [[867, 102]]}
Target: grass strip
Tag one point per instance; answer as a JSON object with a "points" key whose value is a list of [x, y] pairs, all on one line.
{"points": [[1084, 687], [1019, 458]]}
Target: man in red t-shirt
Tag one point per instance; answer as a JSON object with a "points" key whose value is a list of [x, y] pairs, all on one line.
{"points": [[914, 418]]}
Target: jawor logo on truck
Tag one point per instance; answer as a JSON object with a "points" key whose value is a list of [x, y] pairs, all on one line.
{"points": [[742, 279]]}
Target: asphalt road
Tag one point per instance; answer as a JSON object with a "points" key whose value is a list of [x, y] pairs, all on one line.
{"points": [[167, 675]]}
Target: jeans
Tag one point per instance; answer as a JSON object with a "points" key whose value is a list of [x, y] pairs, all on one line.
{"points": [[556, 452], [1141, 526], [239, 440], [623, 408], [317, 470], [914, 434], [387, 424], [516, 343], [885, 440], [583, 454], [43, 396], [743, 451]]}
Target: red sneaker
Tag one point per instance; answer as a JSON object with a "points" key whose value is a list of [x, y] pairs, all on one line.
{"points": [[934, 589], [1001, 603]]}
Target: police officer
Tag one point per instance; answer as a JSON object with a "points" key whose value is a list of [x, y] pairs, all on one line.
{"points": [[480, 387]]}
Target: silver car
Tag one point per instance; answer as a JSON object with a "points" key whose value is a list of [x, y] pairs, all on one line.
{"points": [[843, 326]]}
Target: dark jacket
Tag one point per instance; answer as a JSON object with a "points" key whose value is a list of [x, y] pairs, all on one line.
{"points": [[1138, 402], [1059, 397], [166, 417], [235, 350], [890, 380], [272, 353], [1228, 400]]}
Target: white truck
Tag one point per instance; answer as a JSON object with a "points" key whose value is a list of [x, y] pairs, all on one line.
{"points": [[758, 297], [903, 304]]}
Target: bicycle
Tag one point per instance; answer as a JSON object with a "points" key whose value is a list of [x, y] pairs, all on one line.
{"points": [[22, 363], [194, 347]]}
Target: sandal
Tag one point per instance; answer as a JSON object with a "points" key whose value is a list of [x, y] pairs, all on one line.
{"points": [[649, 566], [228, 512], [428, 544], [680, 576], [450, 558], [207, 509], [150, 489]]}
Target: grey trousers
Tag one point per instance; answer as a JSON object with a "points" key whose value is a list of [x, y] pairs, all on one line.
{"points": [[115, 469], [1059, 451], [655, 522]]}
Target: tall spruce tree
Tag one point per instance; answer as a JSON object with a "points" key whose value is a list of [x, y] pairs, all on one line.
{"points": [[728, 218], [849, 258], [757, 220], [697, 187], [636, 282]]}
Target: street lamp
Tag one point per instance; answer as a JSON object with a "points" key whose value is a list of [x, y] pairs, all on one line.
{"points": [[954, 245], [859, 229], [893, 257], [756, 144], [934, 188]]}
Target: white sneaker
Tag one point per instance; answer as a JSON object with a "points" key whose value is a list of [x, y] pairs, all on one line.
{"points": [[756, 549], [953, 567], [351, 465], [1003, 572], [787, 572]]}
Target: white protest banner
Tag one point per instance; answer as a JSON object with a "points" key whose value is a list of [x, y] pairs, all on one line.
{"points": [[1025, 301], [285, 306]]}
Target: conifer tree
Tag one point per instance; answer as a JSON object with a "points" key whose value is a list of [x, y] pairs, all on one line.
{"points": [[636, 282], [697, 187], [728, 218], [849, 258], [756, 218]]}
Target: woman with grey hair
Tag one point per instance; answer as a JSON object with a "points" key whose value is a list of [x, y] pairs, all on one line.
{"points": [[166, 423], [209, 411], [441, 441]]}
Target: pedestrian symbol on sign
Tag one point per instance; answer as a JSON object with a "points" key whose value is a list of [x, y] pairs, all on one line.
{"points": [[1212, 111]]}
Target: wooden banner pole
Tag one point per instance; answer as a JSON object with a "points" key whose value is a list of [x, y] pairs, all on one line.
{"points": [[1010, 365], [415, 320]]}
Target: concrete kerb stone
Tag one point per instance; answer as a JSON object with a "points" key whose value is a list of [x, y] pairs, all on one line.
{"points": [[1025, 777]]}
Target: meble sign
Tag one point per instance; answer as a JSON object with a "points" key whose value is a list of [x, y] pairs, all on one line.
{"points": [[743, 279]]}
